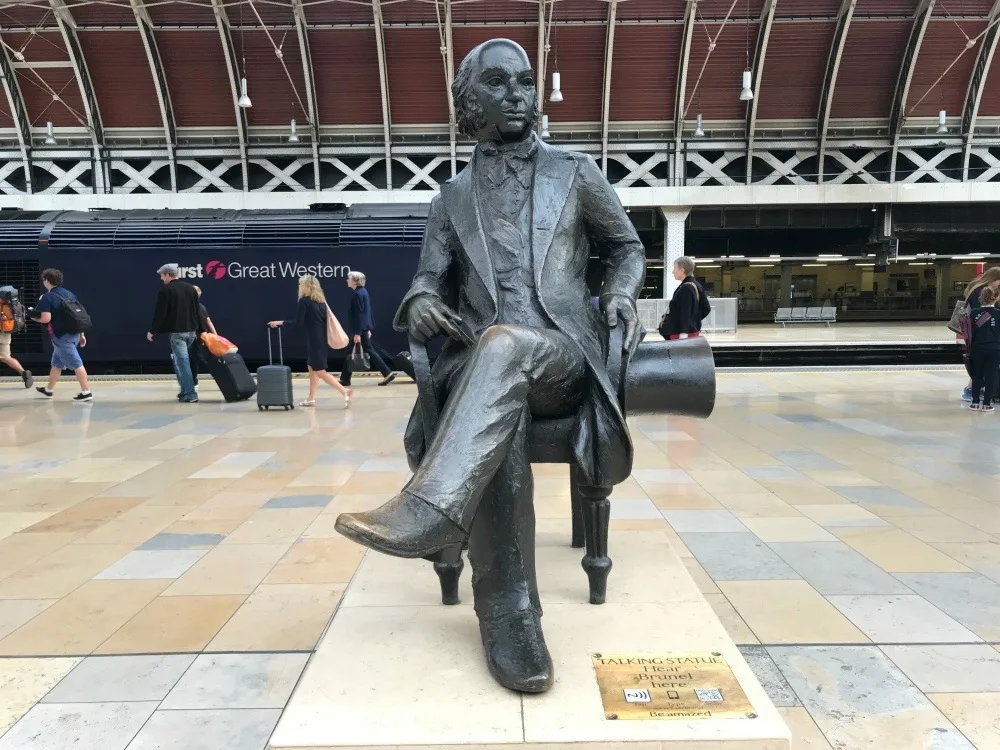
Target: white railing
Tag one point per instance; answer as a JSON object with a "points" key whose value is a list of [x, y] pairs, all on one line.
{"points": [[722, 317]]}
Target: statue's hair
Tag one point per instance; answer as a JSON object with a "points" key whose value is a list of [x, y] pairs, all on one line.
{"points": [[468, 111]]}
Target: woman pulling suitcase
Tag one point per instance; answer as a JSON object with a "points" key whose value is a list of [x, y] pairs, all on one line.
{"points": [[311, 316]]}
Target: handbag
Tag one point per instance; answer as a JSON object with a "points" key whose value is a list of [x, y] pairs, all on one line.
{"points": [[336, 338], [218, 346], [961, 311], [359, 358]]}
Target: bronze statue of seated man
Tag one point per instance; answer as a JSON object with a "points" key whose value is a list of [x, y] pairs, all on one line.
{"points": [[505, 256]]}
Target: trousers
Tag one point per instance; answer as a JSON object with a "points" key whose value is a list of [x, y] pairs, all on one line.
{"points": [[985, 373], [477, 468], [373, 356]]}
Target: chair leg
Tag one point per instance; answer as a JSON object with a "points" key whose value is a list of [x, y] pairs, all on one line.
{"points": [[576, 508], [596, 519], [448, 565]]}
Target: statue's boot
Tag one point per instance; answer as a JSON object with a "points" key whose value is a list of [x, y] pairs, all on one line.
{"points": [[515, 651], [406, 526]]}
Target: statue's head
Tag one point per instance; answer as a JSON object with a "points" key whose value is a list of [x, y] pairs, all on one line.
{"points": [[494, 92]]}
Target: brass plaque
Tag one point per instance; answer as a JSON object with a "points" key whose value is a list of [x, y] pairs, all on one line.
{"points": [[697, 685]]}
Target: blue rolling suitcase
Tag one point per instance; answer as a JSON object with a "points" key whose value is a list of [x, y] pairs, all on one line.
{"points": [[274, 381]]}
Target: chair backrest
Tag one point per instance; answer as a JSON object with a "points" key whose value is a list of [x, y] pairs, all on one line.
{"points": [[799, 313], [829, 313], [784, 313], [814, 313]]}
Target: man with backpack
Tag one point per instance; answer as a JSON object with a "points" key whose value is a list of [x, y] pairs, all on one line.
{"points": [[11, 320], [688, 307], [67, 321]]}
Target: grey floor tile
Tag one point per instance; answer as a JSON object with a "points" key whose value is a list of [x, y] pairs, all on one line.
{"points": [[299, 501], [806, 460], [237, 681], [166, 540], [901, 619], [878, 496], [343, 456], [769, 676], [703, 521], [970, 598], [634, 507], [232, 729], [855, 695], [662, 476], [146, 564], [950, 669], [834, 568], [737, 557], [80, 726], [110, 679], [774, 473], [157, 420], [385, 463]]}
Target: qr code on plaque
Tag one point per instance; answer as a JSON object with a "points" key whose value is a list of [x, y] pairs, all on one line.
{"points": [[711, 695], [637, 696]]}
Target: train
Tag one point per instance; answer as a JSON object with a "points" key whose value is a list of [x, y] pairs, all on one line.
{"points": [[247, 264]]}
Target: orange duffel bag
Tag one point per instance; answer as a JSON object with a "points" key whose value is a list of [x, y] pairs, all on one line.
{"points": [[217, 345]]}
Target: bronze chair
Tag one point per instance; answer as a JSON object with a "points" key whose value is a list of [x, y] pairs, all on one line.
{"points": [[662, 377]]}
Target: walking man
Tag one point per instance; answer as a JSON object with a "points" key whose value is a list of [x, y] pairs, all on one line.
{"points": [[177, 315], [361, 323], [65, 332]]}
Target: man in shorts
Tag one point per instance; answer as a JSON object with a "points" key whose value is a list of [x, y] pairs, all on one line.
{"points": [[12, 363], [65, 346]]}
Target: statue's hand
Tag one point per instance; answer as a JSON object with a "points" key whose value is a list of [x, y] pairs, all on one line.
{"points": [[615, 306], [428, 317]]}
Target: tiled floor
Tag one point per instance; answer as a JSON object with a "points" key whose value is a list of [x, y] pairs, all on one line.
{"points": [[166, 570]]}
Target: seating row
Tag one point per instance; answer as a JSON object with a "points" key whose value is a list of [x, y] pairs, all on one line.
{"points": [[785, 315]]}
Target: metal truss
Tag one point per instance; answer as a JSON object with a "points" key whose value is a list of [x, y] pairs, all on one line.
{"points": [[844, 18], [443, 7], [156, 68], [897, 116], [19, 113], [383, 77], [302, 30], [760, 56], [609, 53], [232, 65], [67, 28], [974, 94], [680, 107]]}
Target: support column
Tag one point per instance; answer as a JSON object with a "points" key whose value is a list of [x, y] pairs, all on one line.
{"points": [[867, 279], [943, 287], [785, 297], [673, 245], [727, 282]]}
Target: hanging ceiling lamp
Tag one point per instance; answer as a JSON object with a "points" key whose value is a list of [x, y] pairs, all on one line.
{"points": [[50, 135], [294, 136], [942, 128], [556, 95], [699, 131], [244, 100], [545, 126], [747, 93]]}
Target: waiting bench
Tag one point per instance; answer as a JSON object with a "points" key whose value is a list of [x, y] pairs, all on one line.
{"points": [[785, 315]]}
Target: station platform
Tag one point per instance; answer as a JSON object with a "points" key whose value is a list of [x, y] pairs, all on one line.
{"points": [[167, 571]]}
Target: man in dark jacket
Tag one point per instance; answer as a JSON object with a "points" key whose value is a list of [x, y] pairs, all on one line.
{"points": [[177, 316], [689, 305], [360, 324]]}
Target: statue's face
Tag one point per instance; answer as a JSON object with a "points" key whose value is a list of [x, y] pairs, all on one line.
{"points": [[505, 88]]}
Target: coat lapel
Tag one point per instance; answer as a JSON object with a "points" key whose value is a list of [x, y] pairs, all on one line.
{"points": [[554, 173], [463, 209]]}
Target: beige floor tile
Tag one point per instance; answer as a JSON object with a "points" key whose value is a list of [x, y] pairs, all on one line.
{"points": [[374, 482], [318, 561], [805, 493], [757, 505], [58, 574], [702, 579], [977, 716], [276, 617], [182, 442], [119, 472], [83, 620], [135, 526], [840, 478], [835, 515], [788, 530], [944, 529], [21, 550], [725, 482], [51, 495], [228, 505], [805, 734], [188, 491], [322, 528], [15, 612], [87, 515], [681, 497], [346, 503], [330, 476], [277, 526], [229, 569], [222, 526], [789, 612], [639, 524], [173, 624], [11, 523], [977, 556], [78, 467], [738, 630], [23, 682], [895, 551]]}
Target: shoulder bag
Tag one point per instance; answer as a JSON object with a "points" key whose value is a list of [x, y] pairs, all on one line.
{"points": [[335, 336]]}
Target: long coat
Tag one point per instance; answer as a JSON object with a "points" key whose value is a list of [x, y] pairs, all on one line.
{"points": [[574, 209]]}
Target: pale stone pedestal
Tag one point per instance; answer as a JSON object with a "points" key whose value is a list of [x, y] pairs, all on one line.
{"points": [[396, 669]]}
